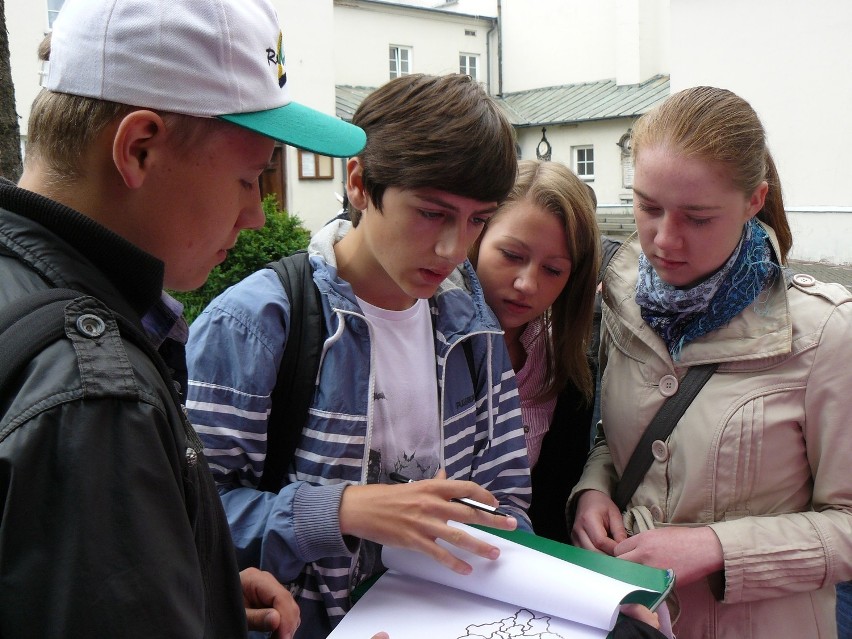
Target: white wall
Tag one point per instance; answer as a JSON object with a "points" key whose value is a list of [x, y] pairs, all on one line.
{"points": [[364, 32], [308, 41], [26, 21], [553, 42], [790, 59], [471, 7]]}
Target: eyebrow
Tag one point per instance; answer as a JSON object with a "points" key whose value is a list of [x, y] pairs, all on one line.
{"points": [[436, 200], [527, 247], [686, 207]]}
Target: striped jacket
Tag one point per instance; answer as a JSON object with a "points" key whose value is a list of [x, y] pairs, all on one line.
{"points": [[234, 352]]}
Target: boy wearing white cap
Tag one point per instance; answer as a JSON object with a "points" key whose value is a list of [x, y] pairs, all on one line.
{"points": [[145, 148]]}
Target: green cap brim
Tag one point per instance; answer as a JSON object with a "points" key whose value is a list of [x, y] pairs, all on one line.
{"points": [[305, 128]]}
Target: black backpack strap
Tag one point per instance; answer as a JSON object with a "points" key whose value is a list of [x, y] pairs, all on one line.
{"points": [[660, 427], [31, 323], [27, 326], [294, 387]]}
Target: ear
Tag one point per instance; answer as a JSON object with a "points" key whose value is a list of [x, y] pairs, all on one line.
{"points": [[757, 199], [139, 135], [355, 184]]}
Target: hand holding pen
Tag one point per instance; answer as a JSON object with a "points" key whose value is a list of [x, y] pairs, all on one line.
{"points": [[467, 501], [415, 515]]}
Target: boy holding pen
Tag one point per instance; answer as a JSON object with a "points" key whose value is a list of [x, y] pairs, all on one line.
{"points": [[414, 377]]}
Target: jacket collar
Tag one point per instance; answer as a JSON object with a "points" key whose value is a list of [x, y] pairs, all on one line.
{"points": [[750, 336], [51, 231], [458, 304]]}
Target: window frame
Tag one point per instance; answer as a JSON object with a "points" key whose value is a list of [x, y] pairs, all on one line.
{"points": [[314, 166], [52, 13], [464, 68], [395, 57], [581, 166]]}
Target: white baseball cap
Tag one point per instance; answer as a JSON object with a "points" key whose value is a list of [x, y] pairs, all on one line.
{"points": [[206, 58]]}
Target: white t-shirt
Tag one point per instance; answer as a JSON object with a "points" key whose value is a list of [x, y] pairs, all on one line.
{"points": [[406, 435]]}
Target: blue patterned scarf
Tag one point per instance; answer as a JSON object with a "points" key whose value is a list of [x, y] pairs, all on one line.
{"points": [[680, 316]]}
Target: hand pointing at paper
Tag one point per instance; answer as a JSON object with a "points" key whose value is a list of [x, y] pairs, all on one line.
{"points": [[415, 515]]}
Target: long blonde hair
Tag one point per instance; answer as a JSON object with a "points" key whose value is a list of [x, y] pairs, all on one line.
{"points": [[568, 321], [719, 126]]}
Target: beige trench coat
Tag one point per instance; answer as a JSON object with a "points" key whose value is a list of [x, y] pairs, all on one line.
{"points": [[763, 455]]}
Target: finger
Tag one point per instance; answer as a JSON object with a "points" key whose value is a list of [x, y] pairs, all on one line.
{"points": [[441, 474], [262, 619], [581, 539], [600, 540], [605, 545], [625, 546], [459, 489], [616, 526], [381, 635], [462, 540], [466, 511], [448, 559]]}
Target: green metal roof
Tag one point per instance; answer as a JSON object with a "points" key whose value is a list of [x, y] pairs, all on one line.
{"points": [[348, 98], [566, 104], [572, 103]]}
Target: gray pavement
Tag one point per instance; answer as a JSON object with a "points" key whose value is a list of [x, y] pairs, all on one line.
{"points": [[825, 272]]}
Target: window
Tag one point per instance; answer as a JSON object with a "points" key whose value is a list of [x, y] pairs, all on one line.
{"points": [[53, 7], [313, 166], [400, 61], [584, 162], [469, 65]]}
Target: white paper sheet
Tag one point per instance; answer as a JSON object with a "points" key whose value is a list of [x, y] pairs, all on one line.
{"points": [[524, 593], [409, 608]]}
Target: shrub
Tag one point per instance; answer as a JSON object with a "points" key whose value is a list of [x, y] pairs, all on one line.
{"points": [[282, 234]]}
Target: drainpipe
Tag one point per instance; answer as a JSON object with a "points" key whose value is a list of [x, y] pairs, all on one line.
{"points": [[488, 55], [499, 47]]}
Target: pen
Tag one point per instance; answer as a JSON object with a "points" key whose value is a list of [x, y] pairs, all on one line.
{"points": [[467, 501]]}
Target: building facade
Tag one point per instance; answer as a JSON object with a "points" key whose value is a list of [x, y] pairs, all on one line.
{"points": [[545, 60]]}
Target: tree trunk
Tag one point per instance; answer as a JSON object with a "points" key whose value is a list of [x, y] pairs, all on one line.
{"points": [[10, 132]]}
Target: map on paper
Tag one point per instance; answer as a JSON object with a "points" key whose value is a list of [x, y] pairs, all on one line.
{"points": [[523, 594]]}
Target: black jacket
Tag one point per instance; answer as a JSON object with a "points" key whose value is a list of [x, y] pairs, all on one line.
{"points": [[111, 525], [564, 449]]}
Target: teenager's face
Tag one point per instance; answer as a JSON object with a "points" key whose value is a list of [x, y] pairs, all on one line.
{"points": [[416, 241], [523, 263], [689, 214], [209, 195]]}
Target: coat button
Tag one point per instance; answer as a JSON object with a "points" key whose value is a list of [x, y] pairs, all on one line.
{"points": [[668, 385], [191, 457], [656, 512], [804, 280], [660, 450], [90, 325]]}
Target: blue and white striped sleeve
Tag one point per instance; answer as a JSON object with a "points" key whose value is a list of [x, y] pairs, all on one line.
{"points": [[234, 350], [233, 354]]}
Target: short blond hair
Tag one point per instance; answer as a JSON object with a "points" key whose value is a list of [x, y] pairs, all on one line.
{"points": [[62, 128]]}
